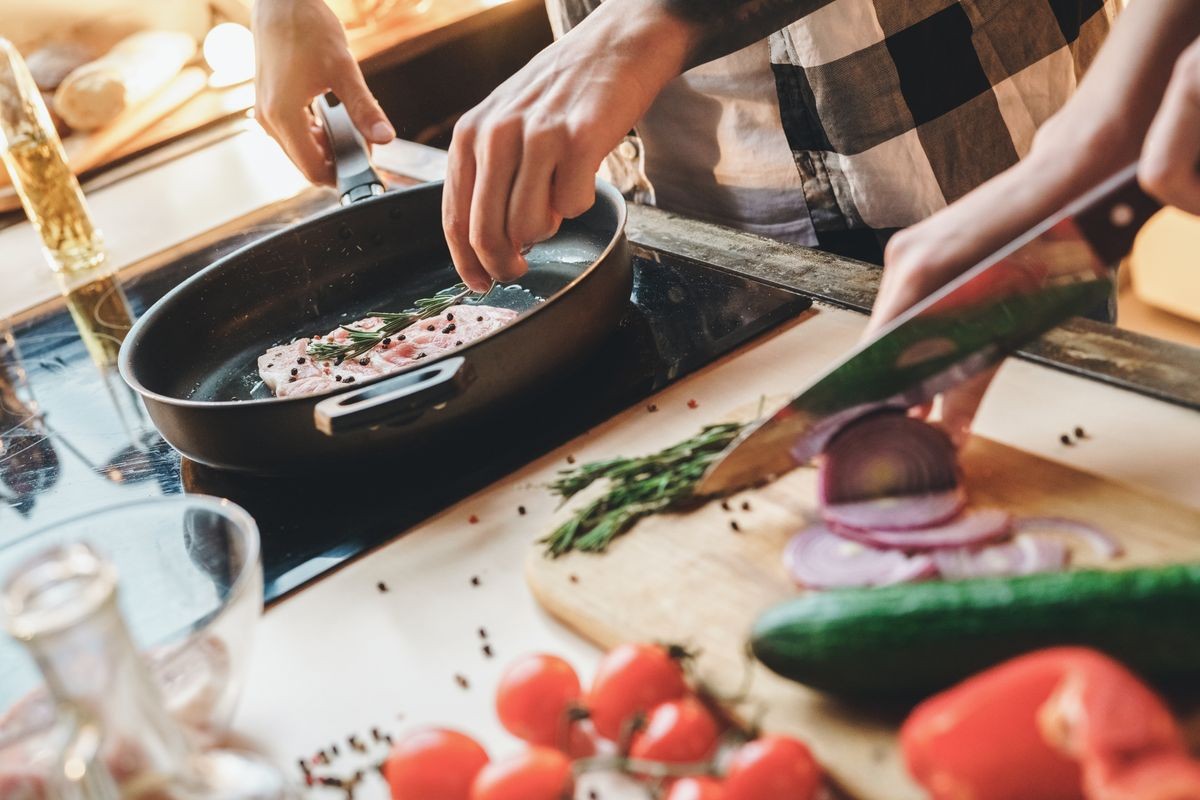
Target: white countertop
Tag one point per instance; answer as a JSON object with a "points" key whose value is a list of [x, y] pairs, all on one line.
{"points": [[341, 657]]}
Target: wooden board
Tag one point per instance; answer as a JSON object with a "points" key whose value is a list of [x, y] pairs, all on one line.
{"points": [[692, 579], [91, 150]]}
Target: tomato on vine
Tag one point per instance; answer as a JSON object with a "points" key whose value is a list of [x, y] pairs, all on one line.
{"points": [[535, 696], [678, 732], [772, 767], [433, 764], [630, 680], [696, 789], [539, 773]]}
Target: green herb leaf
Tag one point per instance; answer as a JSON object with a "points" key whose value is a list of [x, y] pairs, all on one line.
{"points": [[638, 487], [361, 342]]}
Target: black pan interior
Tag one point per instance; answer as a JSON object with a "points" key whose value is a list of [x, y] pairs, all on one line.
{"points": [[202, 341]]}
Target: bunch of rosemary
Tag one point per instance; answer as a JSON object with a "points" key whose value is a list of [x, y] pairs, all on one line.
{"points": [[360, 342], [638, 487]]}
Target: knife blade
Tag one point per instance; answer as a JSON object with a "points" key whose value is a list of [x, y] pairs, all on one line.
{"points": [[1062, 267]]}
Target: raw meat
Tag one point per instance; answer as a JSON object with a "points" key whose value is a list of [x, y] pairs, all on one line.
{"points": [[288, 371]]}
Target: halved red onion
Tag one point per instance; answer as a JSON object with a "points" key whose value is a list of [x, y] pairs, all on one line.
{"points": [[1102, 543], [1025, 555], [819, 559], [900, 513], [886, 454], [971, 529]]}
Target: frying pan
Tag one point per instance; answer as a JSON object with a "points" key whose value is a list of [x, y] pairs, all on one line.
{"points": [[192, 355]]}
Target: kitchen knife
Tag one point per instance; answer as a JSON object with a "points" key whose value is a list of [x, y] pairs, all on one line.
{"points": [[1062, 267]]}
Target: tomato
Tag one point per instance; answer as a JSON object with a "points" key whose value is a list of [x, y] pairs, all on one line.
{"points": [[433, 764], [580, 743], [534, 696], [772, 768], [696, 789], [678, 732], [539, 773], [632, 679]]}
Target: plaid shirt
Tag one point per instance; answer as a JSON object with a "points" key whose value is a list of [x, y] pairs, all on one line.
{"points": [[894, 108]]}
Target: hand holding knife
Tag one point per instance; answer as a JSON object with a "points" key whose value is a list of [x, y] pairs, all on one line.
{"points": [[1062, 267]]}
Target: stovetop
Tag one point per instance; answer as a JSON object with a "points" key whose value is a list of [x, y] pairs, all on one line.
{"points": [[73, 436]]}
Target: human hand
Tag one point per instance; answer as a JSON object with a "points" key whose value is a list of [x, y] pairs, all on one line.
{"points": [[526, 157], [923, 258], [1170, 164], [301, 53]]}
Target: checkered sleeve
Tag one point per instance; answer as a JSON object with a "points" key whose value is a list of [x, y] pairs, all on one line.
{"points": [[894, 108]]}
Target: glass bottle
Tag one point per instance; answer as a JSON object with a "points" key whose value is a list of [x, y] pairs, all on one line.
{"points": [[114, 737], [37, 165]]}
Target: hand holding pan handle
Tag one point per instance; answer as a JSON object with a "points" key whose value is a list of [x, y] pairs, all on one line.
{"points": [[395, 401], [356, 178]]}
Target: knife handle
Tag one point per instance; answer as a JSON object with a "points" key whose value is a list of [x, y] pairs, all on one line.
{"points": [[1114, 213]]}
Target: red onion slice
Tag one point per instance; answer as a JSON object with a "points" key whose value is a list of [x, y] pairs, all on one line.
{"points": [[819, 559], [906, 512], [1024, 555], [967, 530], [886, 454], [1102, 543]]}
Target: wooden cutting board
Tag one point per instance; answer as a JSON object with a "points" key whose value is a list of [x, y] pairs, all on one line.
{"points": [[692, 579]]}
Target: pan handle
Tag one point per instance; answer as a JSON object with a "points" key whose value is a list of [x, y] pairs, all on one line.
{"points": [[396, 401], [356, 178]]}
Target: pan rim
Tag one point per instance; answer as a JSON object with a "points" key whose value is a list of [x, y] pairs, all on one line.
{"points": [[125, 358]]}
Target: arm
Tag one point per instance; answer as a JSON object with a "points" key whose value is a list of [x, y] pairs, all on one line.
{"points": [[721, 27], [301, 52], [1098, 131], [527, 156], [1170, 165]]}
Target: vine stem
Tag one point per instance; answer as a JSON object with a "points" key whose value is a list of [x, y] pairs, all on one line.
{"points": [[652, 769]]}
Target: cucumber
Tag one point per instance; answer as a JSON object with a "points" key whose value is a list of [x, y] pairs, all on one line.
{"points": [[922, 637]]}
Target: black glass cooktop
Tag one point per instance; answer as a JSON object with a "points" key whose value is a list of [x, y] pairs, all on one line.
{"points": [[74, 437]]}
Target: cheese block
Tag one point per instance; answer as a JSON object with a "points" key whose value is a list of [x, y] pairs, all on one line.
{"points": [[1164, 263], [139, 65]]}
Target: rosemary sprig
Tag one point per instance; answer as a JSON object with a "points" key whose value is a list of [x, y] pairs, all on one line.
{"points": [[639, 487], [360, 342]]}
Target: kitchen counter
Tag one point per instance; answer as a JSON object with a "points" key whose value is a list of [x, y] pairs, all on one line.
{"points": [[342, 656]]}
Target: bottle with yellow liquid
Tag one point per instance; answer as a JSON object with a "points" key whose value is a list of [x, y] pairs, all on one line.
{"points": [[37, 165], [53, 201]]}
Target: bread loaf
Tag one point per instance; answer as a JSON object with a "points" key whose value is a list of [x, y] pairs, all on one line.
{"points": [[95, 93]]}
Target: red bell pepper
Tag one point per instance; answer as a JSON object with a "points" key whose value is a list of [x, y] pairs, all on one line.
{"points": [[1057, 724]]}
